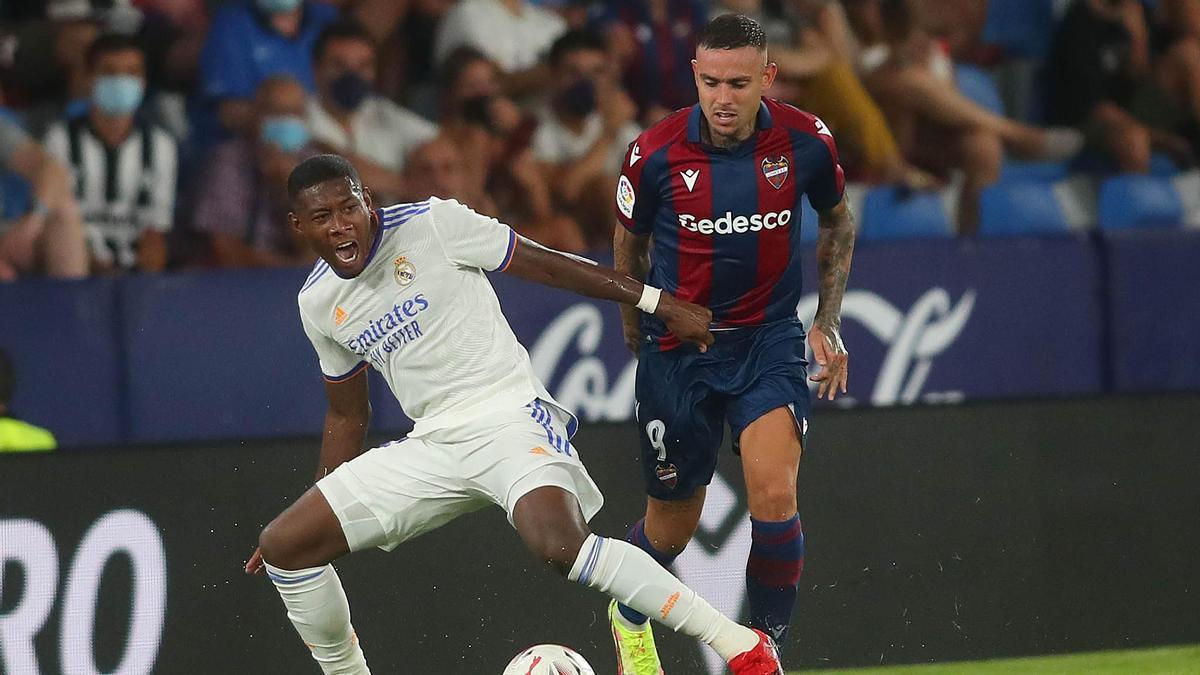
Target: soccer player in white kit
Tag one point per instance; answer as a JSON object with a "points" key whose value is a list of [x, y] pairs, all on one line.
{"points": [[402, 289]]}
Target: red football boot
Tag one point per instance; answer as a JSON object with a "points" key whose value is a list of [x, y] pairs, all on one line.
{"points": [[762, 660]]}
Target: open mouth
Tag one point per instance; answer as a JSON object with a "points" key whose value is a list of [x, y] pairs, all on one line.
{"points": [[724, 117], [347, 252]]}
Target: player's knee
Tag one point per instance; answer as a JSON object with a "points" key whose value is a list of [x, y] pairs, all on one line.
{"points": [[276, 547], [773, 501], [557, 549]]}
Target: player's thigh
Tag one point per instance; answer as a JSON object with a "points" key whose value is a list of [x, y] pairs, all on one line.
{"points": [[681, 422], [526, 449], [396, 492], [306, 534]]}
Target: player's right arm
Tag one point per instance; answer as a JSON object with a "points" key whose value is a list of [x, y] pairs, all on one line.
{"points": [[631, 257], [346, 421], [636, 203]]}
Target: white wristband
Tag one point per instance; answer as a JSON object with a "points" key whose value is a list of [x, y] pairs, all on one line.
{"points": [[649, 300]]}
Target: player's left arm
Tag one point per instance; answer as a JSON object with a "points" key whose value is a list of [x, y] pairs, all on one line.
{"points": [[533, 262], [835, 248]]}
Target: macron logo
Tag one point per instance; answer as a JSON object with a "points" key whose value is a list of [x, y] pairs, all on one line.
{"points": [[689, 178], [635, 154], [821, 128]]}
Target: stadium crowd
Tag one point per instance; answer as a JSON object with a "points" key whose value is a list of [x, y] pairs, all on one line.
{"points": [[140, 135]]}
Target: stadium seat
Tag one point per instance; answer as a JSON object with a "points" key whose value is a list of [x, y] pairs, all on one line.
{"points": [[1135, 201], [1017, 171], [977, 85], [892, 213], [1020, 208], [1022, 27]]}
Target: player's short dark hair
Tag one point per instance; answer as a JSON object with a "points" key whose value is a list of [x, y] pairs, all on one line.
{"points": [[342, 29], [107, 43], [8, 379], [575, 41], [318, 169], [733, 31]]}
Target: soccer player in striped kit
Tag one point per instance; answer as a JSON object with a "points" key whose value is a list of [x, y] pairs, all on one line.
{"points": [[709, 200]]}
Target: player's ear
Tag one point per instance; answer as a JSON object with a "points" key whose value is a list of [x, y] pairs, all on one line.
{"points": [[769, 74], [367, 200], [294, 220]]}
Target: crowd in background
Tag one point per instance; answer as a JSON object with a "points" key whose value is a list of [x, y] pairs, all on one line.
{"points": [[139, 135]]}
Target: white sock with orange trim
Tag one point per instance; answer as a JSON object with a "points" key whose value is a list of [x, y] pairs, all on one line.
{"points": [[317, 607], [631, 576]]}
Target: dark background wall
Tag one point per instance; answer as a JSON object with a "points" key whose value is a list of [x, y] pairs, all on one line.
{"points": [[933, 534]]}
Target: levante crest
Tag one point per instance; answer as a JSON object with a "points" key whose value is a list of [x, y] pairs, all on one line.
{"points": [[775, 170]]}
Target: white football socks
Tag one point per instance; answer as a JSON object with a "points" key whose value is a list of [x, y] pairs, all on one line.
{"points": [[631, 576], [317, 607]]}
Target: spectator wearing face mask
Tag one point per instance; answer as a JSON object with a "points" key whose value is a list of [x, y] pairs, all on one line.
{"points": [[247, 42], [583, 131], [241, 201], [123, 168], [349, 118]]}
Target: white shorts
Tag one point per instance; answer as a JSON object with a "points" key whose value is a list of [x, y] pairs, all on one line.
{"points": [[405, 488]]}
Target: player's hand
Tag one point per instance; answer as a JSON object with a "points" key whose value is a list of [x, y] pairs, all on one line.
{"points": [[255, 564], [831, 355], [633, 335], [686, 321]]}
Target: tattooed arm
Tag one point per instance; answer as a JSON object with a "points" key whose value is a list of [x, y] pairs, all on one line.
{"points": [[835, 247]]}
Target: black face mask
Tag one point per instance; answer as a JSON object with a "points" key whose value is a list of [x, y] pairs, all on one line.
{"points": [[579, 99], [349, 91]]}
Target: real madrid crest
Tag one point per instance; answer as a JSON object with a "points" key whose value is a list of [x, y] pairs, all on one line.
{"points": [[775, 170], [405, 271]]}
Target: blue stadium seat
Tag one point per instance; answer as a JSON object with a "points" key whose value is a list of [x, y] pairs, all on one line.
{"points": [[1022, 27], [1018, 171], [1134, 201], [890, 213], [1020, 208], [977, 85]]}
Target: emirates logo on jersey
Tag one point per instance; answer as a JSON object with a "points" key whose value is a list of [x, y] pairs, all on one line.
{"points": [[775, 170]]}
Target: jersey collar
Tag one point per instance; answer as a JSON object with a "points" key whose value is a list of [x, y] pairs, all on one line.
{"points": [[764, 120]]}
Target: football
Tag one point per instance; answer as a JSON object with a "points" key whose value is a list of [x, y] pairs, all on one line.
{"points": [[548, 660]]}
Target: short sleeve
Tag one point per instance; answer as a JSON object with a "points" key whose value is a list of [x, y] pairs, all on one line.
{"points": [[825, 189], [472, 239], [636, 198], [337, 362]]}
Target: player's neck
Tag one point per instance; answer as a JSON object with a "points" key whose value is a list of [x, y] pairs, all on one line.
{"points": [[722, 141]]}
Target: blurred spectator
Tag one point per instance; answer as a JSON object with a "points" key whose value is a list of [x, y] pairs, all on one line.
{"points": [[407, 70], [583, 131], [937, 127], [493, 136], [1101, 77], [513, 33], [436, 168], [248, 41], [123, 169], [656, 41], [15, 435], [350, 118], [241, 201], [49, 239], [172, 36]]}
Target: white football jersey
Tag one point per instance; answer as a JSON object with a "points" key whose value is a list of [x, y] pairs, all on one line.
{"points": [[423, 313]]}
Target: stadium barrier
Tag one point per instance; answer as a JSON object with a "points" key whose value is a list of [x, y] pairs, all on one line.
{"points": [[933, 533], [220, 355]]}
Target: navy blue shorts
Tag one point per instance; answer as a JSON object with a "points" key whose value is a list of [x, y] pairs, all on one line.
{"points": [[686, 397]]}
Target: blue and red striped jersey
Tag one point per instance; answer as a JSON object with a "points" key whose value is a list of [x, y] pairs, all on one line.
{"points": [[726, 221]]}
